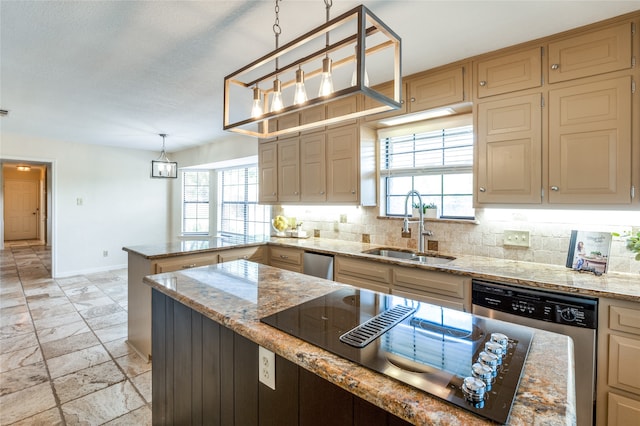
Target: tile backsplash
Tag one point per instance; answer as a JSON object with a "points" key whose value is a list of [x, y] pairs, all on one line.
{"points": [[549, 231]]}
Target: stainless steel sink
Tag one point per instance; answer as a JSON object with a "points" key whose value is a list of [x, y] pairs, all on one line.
{"points": [[425, 258]]}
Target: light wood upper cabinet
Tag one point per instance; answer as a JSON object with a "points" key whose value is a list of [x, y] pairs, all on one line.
{"points": [[509, 151], [343, 107], [509, 73], [387, 90], [593, 53], [342, 165], [590, 143], [289, 170], [313, 167], [435, 90], [268, 172]]}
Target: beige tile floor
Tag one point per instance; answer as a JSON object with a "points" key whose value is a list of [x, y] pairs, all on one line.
{"points": [[63, 356]]}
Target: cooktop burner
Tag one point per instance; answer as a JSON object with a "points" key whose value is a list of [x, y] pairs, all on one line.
{"points": [[472, 362]]}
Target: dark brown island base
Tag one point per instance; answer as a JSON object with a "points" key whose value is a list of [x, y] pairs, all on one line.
{"points": [[206, 338]]}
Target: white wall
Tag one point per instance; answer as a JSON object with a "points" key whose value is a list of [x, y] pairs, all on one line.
{"points": [[233, 147], [121, 204]]}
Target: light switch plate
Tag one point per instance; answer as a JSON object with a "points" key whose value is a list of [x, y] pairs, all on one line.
{"points": [[267, 367], [516, 238]]}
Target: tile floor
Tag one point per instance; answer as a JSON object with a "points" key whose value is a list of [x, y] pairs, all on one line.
{"points": [[63, 356]]}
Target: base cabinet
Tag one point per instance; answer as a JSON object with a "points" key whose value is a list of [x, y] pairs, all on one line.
{"points": [[204, 373]]}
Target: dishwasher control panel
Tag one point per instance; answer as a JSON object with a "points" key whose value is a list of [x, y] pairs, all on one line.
{"points": [[536, 304]]}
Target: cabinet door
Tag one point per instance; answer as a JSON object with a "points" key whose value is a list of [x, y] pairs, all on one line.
{"points": [[593, 53], [516, 71], [590, 143], [363, 273], [248, 253], [268, 172], [624, 354], [289, 170], [286, 258], [313, 172], [342, 165], [509, 153], [342, 107], [387, 90], [313, 115], [622, 411], [436, 90]]}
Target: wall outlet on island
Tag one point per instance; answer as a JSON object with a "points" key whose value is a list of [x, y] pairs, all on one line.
{"points": [[267, 367], [105, 253], [516, 238]]}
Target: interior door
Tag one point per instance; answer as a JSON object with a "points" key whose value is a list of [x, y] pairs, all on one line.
{"points": [[21, 210]]}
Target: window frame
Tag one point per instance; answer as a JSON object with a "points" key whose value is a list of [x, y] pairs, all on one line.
{"points": [[185, 203]]}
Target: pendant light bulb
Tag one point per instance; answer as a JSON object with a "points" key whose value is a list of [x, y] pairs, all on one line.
{"points": [[326, 83], [276, 102], [300, 95], [354, 76], [256, 108]]}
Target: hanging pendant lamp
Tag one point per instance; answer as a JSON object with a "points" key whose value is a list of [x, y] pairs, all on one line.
{"points": [[163, 167]]}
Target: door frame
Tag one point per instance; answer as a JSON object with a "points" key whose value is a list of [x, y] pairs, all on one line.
{"points": [[50, 166]]}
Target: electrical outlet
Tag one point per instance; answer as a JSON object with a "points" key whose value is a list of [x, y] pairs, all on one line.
{"points": [[267, 367], [343, 218], [516, 238], [105, 253]]}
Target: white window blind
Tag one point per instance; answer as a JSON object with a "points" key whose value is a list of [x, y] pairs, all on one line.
{"points": [[195, 202]]}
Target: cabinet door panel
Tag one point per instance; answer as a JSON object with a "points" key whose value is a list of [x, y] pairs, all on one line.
{"points": [[342, 165], [624, 354], [289, 170], [622, 411], [342, 107], [516, 71], [590, 143], [313, 176], [436, 90], [510, 150], [268, 176], [594, 53], [624, 319]]}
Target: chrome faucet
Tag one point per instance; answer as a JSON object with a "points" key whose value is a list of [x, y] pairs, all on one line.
{"points": [[405, 226]]}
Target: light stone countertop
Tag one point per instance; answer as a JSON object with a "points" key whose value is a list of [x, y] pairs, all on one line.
{"points": [[237, 294], [528, 274]]}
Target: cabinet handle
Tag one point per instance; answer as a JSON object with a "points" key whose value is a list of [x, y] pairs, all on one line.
{"points": [[353, 191], [482, 189], [273, 193], [193, 265], [282, 256], [321, 192], [555, 66], [401, 101], [295, 193], [555, 188], [245, 257], [413, 99], [483, 83]]}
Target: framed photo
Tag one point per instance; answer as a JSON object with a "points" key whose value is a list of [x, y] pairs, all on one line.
{"points": [[589, 251]]}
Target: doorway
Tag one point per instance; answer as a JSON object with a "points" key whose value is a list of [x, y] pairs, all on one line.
{"points": [[26, 203]]}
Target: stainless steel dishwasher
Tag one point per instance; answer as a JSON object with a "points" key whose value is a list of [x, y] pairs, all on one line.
{"points": [[318, 265], [573, 316]]}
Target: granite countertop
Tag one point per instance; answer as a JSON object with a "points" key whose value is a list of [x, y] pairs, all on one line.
{"points": [[529, 274], [237, 294]]}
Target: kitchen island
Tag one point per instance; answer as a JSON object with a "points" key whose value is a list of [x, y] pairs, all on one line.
{"points": [[232, 297]]}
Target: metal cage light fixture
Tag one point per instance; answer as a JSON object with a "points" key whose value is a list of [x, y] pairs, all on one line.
{"points": [[296, 68], [163, 167]]}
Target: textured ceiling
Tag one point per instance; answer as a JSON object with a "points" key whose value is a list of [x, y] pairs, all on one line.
{"points": [[120, 72]]}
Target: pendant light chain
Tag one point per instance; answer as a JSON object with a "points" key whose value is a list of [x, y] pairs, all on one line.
{"points": [[276, 28], [328, 4]]}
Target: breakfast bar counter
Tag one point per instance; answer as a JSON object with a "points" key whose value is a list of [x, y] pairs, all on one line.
{"points": [[235, 295]]}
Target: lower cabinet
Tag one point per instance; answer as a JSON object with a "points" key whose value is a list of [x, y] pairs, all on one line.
{"points": [[205, 373], [367, 274], [286, 258], [255, 254], [618, 383]]}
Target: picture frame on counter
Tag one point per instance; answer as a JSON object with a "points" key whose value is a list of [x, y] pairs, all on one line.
{"points": [[589, 251]]}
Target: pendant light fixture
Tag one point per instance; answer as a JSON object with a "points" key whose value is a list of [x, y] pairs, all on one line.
{"points": [[276, 101], [163, 167], [300, 93], [315, 58]]}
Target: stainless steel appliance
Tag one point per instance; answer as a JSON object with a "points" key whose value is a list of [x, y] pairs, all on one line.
{"points": [[318, 265], [573, 316], [472, 362]]}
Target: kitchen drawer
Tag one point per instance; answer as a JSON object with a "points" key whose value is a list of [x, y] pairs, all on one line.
{"points": [[622, 411], [445, 302], [438, 283], [178, 263], [248, 253], [363, 269], [624, 319], [624, 354], [286, 258]]}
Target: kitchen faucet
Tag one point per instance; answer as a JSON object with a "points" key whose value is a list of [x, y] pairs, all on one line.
{"points": [[405, 226]]}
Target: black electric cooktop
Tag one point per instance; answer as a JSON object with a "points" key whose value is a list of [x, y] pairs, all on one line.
{"points": [[431, 348]]}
